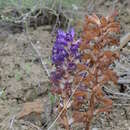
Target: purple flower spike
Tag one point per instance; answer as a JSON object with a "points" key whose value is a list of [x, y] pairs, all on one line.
{"points": [[64, 47], [65, 56]]}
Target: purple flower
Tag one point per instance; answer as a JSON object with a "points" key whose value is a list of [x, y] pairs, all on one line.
{"points": [[74, 47], [71, 66], [56, 48], [61, 33], [61, 37], [57, 58], [70, 35], [62, 41], [58, 55], [57, 75]]}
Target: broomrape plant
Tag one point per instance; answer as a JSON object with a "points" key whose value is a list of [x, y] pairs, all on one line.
{"points": [[82, 68]]}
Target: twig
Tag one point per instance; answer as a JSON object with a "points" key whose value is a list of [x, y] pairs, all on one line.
{"points": [[33, 125], [42, 62], [116, 93], [91, 6], [119, 97], [126, 73], [38, 53], [24, 17], [119, 65], [124, 41], [57, 22], [121, 104], [11, 123], [124, 80]]}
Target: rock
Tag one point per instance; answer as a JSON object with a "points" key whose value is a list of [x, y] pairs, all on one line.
{"points": [[31, 107]]}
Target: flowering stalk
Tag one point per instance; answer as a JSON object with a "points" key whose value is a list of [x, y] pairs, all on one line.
{"points": [[65, 56]]}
